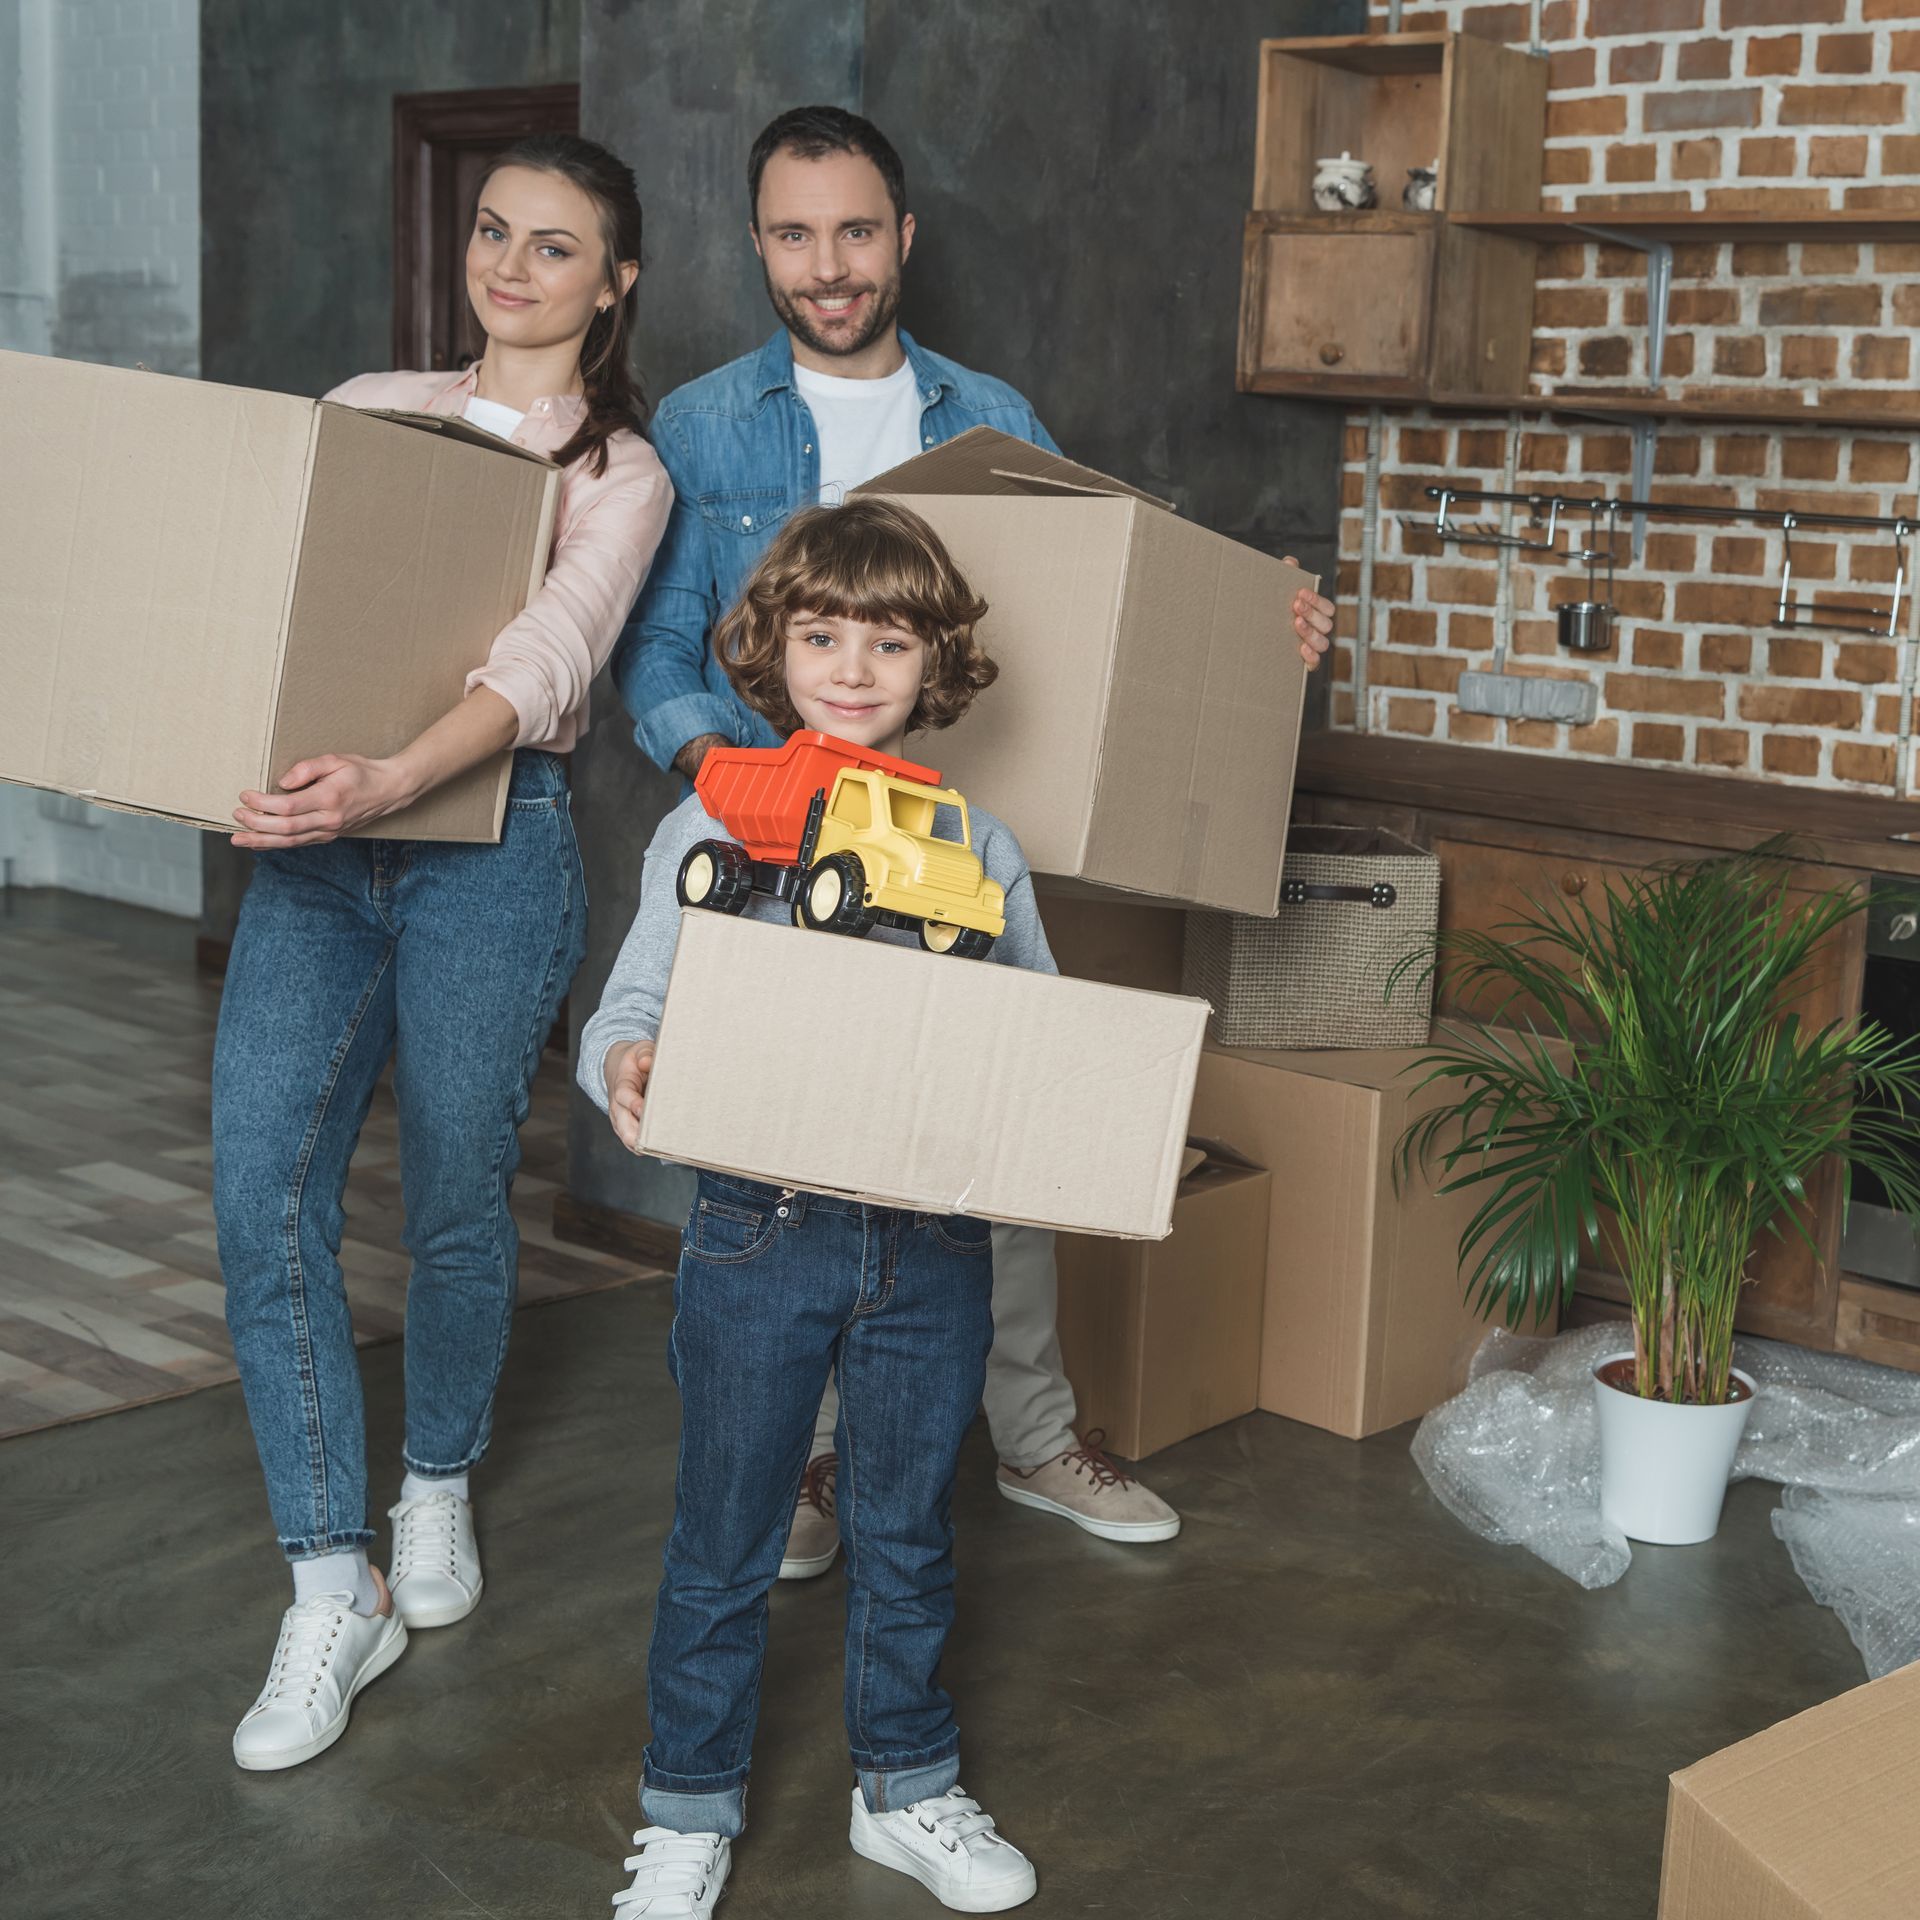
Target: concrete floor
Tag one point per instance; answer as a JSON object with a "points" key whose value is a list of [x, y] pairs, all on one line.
{"points": [[1324, 1701]]}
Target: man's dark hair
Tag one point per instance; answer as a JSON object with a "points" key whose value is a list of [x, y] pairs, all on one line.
{"points": [[811, 133]]}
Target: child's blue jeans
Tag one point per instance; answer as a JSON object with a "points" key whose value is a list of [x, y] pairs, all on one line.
{"points": [[774, 1289]]}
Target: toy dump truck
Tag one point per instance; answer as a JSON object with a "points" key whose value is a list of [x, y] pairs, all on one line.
{"points": [[845, 835]]}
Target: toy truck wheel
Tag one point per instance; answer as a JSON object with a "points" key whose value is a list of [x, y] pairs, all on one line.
{"points": [[834, 897], [968, 943], [716, 875]]}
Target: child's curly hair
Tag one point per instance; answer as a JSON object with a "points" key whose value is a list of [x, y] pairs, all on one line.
{"points": [[870, 560]]}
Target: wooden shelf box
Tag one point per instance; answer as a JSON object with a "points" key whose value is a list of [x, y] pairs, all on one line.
{"points": [[1388, 302]]}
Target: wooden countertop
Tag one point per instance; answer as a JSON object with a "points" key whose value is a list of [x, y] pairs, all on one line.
{"points": [[1646, 803]]}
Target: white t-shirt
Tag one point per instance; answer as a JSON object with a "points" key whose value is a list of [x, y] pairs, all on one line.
{"points": [[865, 426], [493, 416]]}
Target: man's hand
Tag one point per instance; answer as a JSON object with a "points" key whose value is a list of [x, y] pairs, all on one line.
{"points": [[1312, 621], [320, 799], [688, 759], [627, 1068]]}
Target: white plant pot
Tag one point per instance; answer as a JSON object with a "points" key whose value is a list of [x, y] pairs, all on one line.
{"points": [[1663, 1469]]}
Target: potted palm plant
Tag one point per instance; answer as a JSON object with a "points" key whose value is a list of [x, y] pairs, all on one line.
{"points": [[1646, 1068]]}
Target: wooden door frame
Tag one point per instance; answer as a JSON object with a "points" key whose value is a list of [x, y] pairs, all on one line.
{"points": [[426, 125]]}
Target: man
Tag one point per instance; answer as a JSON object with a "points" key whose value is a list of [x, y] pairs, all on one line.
{"points": [[838, 395]]}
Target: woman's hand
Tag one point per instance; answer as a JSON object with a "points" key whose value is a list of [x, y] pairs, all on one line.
{"points": [[627, 1068], [320, 799], [1312, 621]]}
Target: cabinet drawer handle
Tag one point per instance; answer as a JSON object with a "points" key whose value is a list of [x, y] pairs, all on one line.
{"points": [[1332, 354], [1573, 883]]}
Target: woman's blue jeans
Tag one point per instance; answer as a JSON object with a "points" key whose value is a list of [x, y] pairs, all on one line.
{"points": [[775, 1289], [451, 961]]}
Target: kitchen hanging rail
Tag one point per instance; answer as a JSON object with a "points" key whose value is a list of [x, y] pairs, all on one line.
{"points": [[1556, 505]]}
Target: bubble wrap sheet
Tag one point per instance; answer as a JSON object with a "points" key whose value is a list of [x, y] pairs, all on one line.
{"points": [[1516, 1458]]}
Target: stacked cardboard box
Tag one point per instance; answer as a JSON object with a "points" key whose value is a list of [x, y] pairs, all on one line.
{"points": [[1162, 1341], [1365, 1323]]}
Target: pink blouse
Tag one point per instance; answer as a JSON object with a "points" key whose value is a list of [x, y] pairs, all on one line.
{"points": [[605, 533]]}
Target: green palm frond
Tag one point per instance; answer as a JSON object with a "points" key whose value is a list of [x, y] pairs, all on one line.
{"points": [[1661, 1078]]}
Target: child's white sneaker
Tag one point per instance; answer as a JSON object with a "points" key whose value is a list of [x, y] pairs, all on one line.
{"points": [[676, 1876], [436, 1560], [951, 1848], [326, 1653]]}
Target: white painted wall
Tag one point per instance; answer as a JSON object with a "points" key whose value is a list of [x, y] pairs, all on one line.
{"points": [[100, 260]]}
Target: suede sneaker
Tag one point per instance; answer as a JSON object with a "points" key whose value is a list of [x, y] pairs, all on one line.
{"points": [[676, 1876], [1090, 1488], [951, 1848], [815, 1536]]}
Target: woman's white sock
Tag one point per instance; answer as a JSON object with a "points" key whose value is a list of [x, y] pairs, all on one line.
{"points": [[346, 1572], [413, 1487]]}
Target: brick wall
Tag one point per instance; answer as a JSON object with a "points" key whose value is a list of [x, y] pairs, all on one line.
{"points": [[1736, 104]]}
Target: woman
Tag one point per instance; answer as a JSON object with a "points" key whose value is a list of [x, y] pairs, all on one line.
{"points": [[449, 959]]}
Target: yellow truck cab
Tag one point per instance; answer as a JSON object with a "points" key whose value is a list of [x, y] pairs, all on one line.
{"points": [[876, 859]]}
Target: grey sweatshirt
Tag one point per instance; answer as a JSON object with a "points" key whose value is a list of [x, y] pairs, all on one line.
{"points": [[637, 988]]}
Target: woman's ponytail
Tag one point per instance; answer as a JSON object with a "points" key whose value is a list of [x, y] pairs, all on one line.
{"points": [[614, 399]]}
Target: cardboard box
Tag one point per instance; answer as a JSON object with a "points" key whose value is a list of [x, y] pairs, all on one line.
{"points": [[204, 584], [1143, 729], [1365, 1323], [1811, 1820], [916, 1080], [1163, 1340], [1096, 934]]}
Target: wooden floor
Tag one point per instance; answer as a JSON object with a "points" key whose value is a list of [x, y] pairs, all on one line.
{"points": [[110, 1289]]}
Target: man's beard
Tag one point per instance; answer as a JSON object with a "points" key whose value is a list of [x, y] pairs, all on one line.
{"points": [[882, 305]]}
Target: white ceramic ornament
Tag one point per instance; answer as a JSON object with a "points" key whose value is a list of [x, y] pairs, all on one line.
{"points": [[1344, 185]]}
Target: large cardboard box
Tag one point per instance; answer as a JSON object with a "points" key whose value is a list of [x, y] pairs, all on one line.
{"points": [[1811, 1820], [205, 584], [916, 1080], [1143, 729], [1163, 1340], [1365, 1322], [1096, 934]]}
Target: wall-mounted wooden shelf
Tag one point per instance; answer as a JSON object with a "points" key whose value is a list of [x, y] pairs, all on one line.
{"points": [[1862, 413], [1396, 302], [1678, 226]]}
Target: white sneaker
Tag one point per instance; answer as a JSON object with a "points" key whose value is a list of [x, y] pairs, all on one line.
{"points": [[951, 1848], [676, 1876], [436, 1560], [325, 1655], [814, 1536]]}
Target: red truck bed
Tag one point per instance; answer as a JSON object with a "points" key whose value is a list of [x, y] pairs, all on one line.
{"points": [[761, 794]]}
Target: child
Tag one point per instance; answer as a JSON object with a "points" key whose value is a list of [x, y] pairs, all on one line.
{"points": [[856, 623]]}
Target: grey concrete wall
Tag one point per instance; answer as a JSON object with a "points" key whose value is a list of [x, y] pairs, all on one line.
{"points": [[296, 208], [296, 119], [1079, 172]]}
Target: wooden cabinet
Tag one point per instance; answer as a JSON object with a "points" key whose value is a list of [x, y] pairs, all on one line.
{"points": [[1506, 827], [1387, 302], [1305, 324]]}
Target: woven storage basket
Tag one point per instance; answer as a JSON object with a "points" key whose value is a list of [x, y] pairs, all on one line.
{"points": [[1354, 901]]}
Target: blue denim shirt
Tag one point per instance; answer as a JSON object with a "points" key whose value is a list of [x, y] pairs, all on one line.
{"points": [[741, 449]]}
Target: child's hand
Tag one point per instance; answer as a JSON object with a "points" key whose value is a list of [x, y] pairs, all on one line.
{"points": [[1312, 621], [627, 1067]]}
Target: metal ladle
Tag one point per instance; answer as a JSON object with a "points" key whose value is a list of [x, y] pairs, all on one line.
{"points": [[1586, 626]]}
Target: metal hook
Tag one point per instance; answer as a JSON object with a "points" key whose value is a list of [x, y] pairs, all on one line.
{"points": [[1792, 622], [1479, 537]]}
